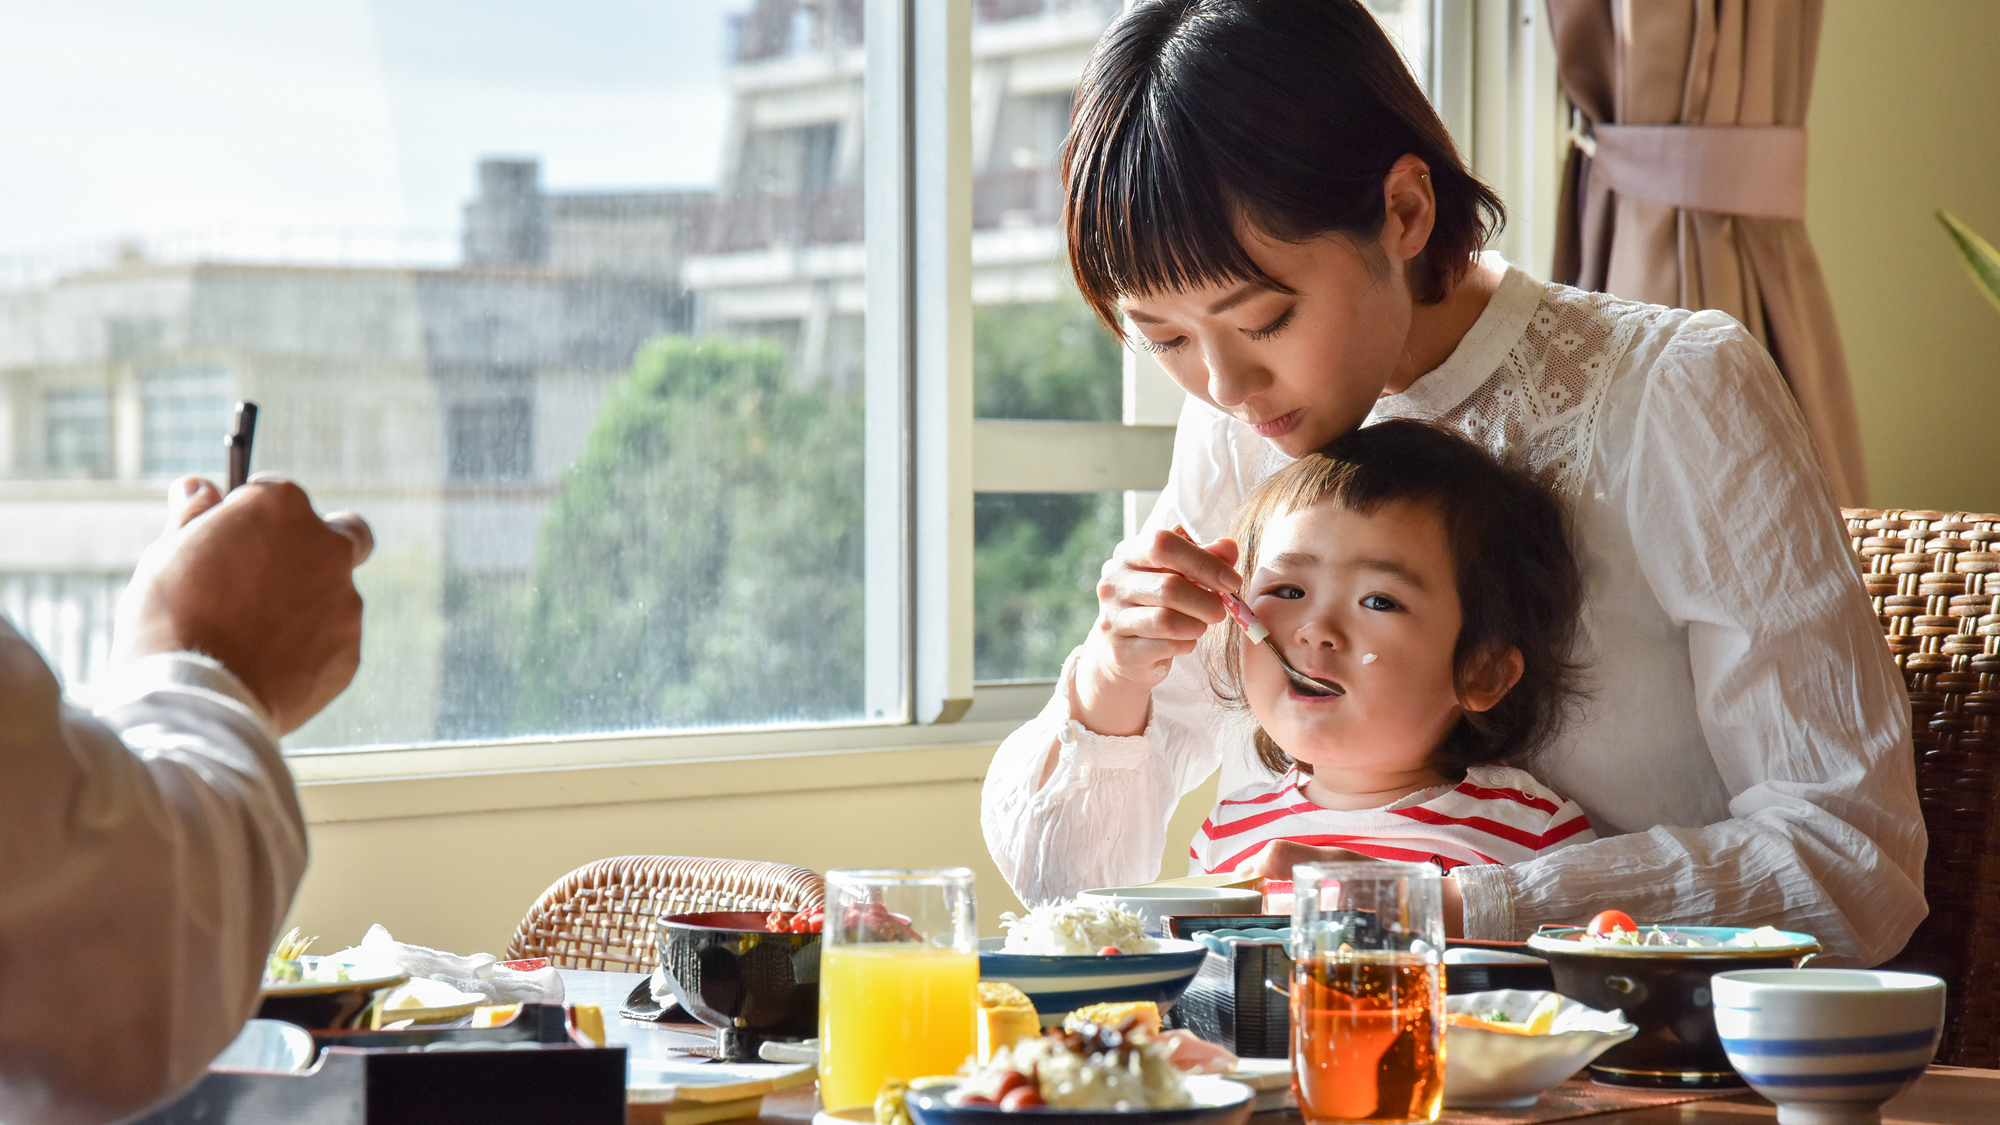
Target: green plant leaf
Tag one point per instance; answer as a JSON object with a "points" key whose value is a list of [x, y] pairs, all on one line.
{"points": [[1981, 261]]}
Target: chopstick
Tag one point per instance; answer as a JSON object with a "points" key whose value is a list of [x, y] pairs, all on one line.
{"points": [[239, 440]]}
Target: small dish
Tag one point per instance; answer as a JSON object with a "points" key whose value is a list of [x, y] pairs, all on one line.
{"points": [[1057, 984], [1154, 905], [1218, 1101], [1487, 1069], [325, 1004], [269, 1047]]}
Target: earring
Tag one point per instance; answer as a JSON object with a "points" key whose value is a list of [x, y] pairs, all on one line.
{"points": [[1368, 658]]}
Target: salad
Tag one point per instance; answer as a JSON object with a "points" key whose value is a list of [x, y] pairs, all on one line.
{"points": [[1094, 1066], [1615, 928]]}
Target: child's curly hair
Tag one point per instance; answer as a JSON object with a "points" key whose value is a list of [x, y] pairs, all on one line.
{"points": [[1518, 582]]}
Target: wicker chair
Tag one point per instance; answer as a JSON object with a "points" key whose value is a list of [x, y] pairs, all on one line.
{"points": [[1935, 581], [601, 916]]}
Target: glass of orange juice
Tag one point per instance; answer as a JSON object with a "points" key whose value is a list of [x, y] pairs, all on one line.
{"points": [[898, 980], [1367, 992]]}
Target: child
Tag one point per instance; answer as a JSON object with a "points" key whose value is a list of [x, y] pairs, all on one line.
{"points": [[1435, 592]]}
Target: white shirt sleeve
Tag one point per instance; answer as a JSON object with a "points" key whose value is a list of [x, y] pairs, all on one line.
{"points": [[1801, 706], [147, 857], [1101, 818]]}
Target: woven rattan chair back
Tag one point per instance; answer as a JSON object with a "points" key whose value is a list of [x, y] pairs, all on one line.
{"points": [[1935, 580], [602, 915]]}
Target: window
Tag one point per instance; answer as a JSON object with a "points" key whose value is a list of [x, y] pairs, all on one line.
{"points": [[179, 406], [651, 338], [76, 432]]}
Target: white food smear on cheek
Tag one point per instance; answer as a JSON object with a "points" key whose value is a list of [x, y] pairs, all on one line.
{"points": [[1368, 658]]}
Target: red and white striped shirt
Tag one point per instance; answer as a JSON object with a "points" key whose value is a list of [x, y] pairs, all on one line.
{"points": [[1496, 815]]}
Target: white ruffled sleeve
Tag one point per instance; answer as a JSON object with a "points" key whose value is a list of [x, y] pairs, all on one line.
{"points": [[1100, 819], [1801, 707], [158, 846]]}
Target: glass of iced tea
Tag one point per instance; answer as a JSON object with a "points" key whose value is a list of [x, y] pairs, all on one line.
{"points": [[1367, 992], [898, 980]]}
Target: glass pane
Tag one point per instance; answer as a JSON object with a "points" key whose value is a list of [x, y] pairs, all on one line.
{"points": [[1038, 352], [1035, 568], [1408, 23], [567, 299]]}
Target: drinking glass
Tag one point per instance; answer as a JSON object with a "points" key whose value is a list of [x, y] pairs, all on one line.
{"points": [[898, 980], [1367, 992]]}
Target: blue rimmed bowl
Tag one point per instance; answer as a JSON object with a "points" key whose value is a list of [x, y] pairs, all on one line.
{"points": [[1059, 984], [1217, 1101], [1828, 1045]]}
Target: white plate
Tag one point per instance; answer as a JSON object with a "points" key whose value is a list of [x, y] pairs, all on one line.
{"points": [[671, 1080], [360, 974]]}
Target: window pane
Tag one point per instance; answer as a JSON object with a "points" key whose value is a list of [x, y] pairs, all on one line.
{"points": [[567, 299], [1038, 351], [1035, 568]]}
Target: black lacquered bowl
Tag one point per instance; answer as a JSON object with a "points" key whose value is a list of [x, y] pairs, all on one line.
{"points": [[750, 985], [1664, 991]]}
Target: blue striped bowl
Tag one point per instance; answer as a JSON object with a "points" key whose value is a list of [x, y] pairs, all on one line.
{"points": [[1828, 1046], [1056, 985]]}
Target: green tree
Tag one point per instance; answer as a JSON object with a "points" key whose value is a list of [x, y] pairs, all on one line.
{"points": [[1037, 557], [701, 564]]}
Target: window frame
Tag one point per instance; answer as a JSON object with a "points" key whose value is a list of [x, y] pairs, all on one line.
{"points": [[926, 456]]}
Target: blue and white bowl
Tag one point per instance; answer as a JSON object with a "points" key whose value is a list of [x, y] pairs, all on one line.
{"points": [[1828, 1046], [1059, 984]]}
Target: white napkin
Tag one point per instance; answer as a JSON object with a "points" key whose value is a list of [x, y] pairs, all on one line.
{"points": [[479, 972]]}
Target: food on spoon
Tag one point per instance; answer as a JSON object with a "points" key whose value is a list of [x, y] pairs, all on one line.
{"points": [[1115, 1015], [1609, 920], [1077, 927], [1093, 1067], [1006, 1017]]}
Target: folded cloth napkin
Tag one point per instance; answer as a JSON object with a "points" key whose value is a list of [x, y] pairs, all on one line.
{"points": [[479, 972]]}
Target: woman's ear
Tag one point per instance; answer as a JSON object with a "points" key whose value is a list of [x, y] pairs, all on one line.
{"points": [[1410, 208], [1493, 675]]}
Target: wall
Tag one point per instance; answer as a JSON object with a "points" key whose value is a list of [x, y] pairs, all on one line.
{"points": [[1906, 119]]}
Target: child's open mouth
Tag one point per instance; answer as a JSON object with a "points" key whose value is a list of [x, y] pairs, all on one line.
{"points": [[1324, 690]]}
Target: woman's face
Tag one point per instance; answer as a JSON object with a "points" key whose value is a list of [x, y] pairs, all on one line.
{"points": [[1300, 368], [1369, 603]]}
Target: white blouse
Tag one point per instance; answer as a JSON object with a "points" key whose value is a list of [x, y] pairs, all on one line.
{"points": [[1745, 751], [147, 856]]}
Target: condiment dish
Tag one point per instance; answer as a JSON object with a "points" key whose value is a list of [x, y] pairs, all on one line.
{"points": [[1492, 1067]]}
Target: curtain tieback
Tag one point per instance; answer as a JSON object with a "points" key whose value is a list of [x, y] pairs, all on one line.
{"points": [[1757, 171]]}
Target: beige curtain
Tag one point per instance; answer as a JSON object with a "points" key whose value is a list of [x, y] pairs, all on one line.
{"points": [[1689, 188]]}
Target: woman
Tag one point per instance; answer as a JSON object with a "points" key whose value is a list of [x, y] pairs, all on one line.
{"points": [[1262, 191]]}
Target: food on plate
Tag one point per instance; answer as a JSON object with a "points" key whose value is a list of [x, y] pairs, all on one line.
{"points": [[1076, 927], [1094, 1067], [494, 1015], [1005, 1017], [889, 1107], [1538, 1022], [1609, 920], [803, 922], [287, 963], [1664, 937], [1114, 1015]]}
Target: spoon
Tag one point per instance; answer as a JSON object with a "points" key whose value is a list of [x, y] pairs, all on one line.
{"points": [[1258, 634]]}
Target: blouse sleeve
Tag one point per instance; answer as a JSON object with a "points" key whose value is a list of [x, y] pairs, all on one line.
{"points": [[159, 843], [1100, 820], [1801, 706]]}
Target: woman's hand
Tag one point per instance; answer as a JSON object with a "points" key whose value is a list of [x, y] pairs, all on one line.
{"points": [[1154, 600]]}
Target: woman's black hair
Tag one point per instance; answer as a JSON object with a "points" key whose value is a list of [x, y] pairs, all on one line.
{"points": [[1195, 116], [1518, 582]]}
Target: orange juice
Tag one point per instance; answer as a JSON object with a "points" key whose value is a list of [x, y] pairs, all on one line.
{"points": [[891, 1010]]}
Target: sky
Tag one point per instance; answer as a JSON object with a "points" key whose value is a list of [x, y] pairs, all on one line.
{"points": [[136, 118]]}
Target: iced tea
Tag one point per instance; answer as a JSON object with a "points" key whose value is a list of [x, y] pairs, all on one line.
{"points": [[1367, 1038]]}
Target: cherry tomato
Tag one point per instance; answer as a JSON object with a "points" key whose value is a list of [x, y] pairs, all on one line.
{"points": [[1022, 1097], [1610, 920], [1011, 1080], [1109, 951]]}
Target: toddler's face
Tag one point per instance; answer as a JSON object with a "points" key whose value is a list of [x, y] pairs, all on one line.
{"points": [[1333, 587]]}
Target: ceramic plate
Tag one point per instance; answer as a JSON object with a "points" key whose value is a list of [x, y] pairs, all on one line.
{"points": [[1056, 984], [1218, 1101], [360, 974]]}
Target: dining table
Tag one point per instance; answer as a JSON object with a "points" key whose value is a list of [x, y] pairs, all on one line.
{"points": [[1943, 1096]]}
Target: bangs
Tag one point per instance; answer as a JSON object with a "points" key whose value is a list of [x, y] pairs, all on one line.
{"points": [[1144, 209]]}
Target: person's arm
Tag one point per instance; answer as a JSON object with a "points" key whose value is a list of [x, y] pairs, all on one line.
{"points": [[1802, 709], [141, 884], [148, 855]]}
